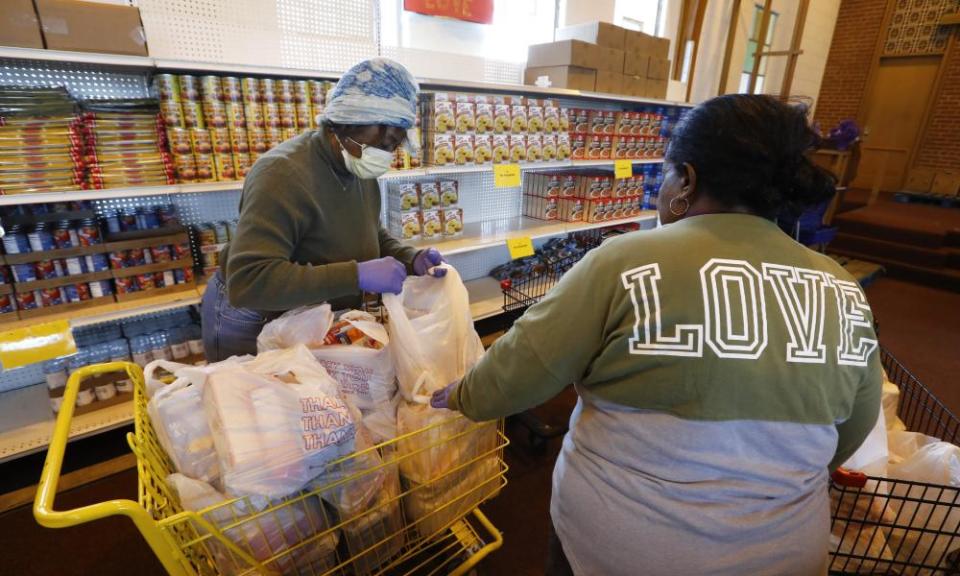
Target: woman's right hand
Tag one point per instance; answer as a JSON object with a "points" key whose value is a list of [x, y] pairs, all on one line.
{"points": [[381, 276]]}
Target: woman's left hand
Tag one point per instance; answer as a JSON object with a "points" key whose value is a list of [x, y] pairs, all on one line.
{"points": [[426, 262]]}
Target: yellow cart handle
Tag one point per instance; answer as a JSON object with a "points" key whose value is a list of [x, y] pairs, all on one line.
{"points": [[46, 492]]}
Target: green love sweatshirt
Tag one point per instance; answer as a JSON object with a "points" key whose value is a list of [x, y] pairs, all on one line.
{"points": [[722, 370], [304, 225]]}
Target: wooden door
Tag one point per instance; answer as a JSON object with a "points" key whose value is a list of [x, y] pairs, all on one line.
{"points": [[894, 112]]}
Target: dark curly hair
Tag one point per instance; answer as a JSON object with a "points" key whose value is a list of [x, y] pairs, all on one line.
{"points": [[751, 151]]}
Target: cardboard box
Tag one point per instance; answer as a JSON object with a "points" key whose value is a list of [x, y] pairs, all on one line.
{"points": [[659, 47], [656, 89], [564, 53], [19, 25], [609, 82], [659, 69], [610, 59], [637, 42], [572, 77], [635, 86], [636, 64], [601, 33], [91, 27]]}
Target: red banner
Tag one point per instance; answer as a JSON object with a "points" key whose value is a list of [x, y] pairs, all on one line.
{"points": [[480, 11]]}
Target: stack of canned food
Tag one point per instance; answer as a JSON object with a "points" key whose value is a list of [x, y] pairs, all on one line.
{"points": [[142, 218], [217, 127], [136, 257], [212, 235], [42, 237]]}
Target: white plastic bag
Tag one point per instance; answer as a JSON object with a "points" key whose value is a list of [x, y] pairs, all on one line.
{"points": [[276, 421], [365, 376], [265, 535], [871, 457], [431, 334], [933, 509], [307, 325], [178, 418]]}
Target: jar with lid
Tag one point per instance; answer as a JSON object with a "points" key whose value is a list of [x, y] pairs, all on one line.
{"points": [[55, 373], [140, 350], [89, 232], [179, 349], [40, 238], [65, 235], [159, 349], [16, 241]]}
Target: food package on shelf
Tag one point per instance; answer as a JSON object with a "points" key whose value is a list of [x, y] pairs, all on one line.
{"points": [[535, 116], [483, 148], [403, 197], [578, 146], [548, 149], [463, 149], [262, 536], [441, 149], [518, 148], [431, 224], [539, 207], [571, 209], [452, 222], [501, 115], [276, 421], [534, 147], [429, 195], [501, 148], [465, 114], [484, 114], [518, 116], [449, 193]]}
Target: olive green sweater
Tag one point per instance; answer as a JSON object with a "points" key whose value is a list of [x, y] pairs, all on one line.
{"points": [[304, 224]]}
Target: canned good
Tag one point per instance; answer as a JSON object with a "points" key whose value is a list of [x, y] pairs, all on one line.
{"points": [[201, 141], [268, 89], [70, 293], [6, 304], [301, 91], [189, 88], [236, 118], [128, 219], [250, 89], [242, 163], [304, 115], [172, 113], [164, 279], [258, 140], [100, 288], [221, 140], [271, 113], [113, 223], [15, 241], [145, 281], [214, 114], [48, 269], [105, 391], [231, 88], [55, 373], [167, 86], [97, 263], [23, 272], [27, 301], [178, 276], [83, 291], [179, 140], [180, 251], [126, 285], [224, 167], [192, 114], [74, 266], [160, 253], [50, 297], [185, 166], [56, 402], [318, 92], [205, 170], [211, 88], [147, 218], [253, 113], [89, 232], [239, 141], [64, 236], [118, 260], [40, 238]]}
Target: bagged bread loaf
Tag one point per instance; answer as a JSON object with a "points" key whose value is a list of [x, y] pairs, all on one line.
{"points": [[276, 421]]}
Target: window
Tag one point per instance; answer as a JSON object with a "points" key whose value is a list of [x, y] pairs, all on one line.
{"points": [[752, 50]]}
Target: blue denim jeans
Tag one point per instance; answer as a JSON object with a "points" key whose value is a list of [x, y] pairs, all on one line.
{"points": [[227, 331]]}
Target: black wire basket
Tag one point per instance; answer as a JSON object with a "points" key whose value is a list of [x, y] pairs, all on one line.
{"points": [[885, 526]]}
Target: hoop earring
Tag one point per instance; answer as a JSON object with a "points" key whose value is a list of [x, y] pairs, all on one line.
{"points": [[673, 209]]}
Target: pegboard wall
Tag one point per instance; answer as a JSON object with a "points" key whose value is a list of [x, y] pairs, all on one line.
{"points": [[312, 34], [84, 81]]}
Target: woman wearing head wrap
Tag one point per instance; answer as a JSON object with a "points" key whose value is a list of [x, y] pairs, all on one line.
{"points": [[309, 228]]}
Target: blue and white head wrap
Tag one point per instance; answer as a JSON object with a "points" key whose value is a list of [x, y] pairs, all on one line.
{"points": [[375, 91]]}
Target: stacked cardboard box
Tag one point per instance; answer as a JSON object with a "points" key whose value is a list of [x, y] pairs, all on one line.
{"points": [[601, 57]]}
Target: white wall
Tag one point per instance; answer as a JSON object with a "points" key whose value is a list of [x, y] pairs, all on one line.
{"points": [[582, 11], [817, 35]]}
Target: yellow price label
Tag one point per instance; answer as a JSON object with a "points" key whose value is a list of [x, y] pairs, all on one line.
{"points": [[36, 343], [506, 175], [520, 247], [622, 169]]}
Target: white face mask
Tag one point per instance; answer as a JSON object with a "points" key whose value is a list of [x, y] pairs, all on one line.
{"points": [[372, 163]]}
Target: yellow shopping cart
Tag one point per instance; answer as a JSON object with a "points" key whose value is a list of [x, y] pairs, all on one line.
{"points": [[407, 506]]}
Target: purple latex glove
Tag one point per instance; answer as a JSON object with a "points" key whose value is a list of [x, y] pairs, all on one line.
{"points": [[441, 398], [427, 259], [381, 276]]}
